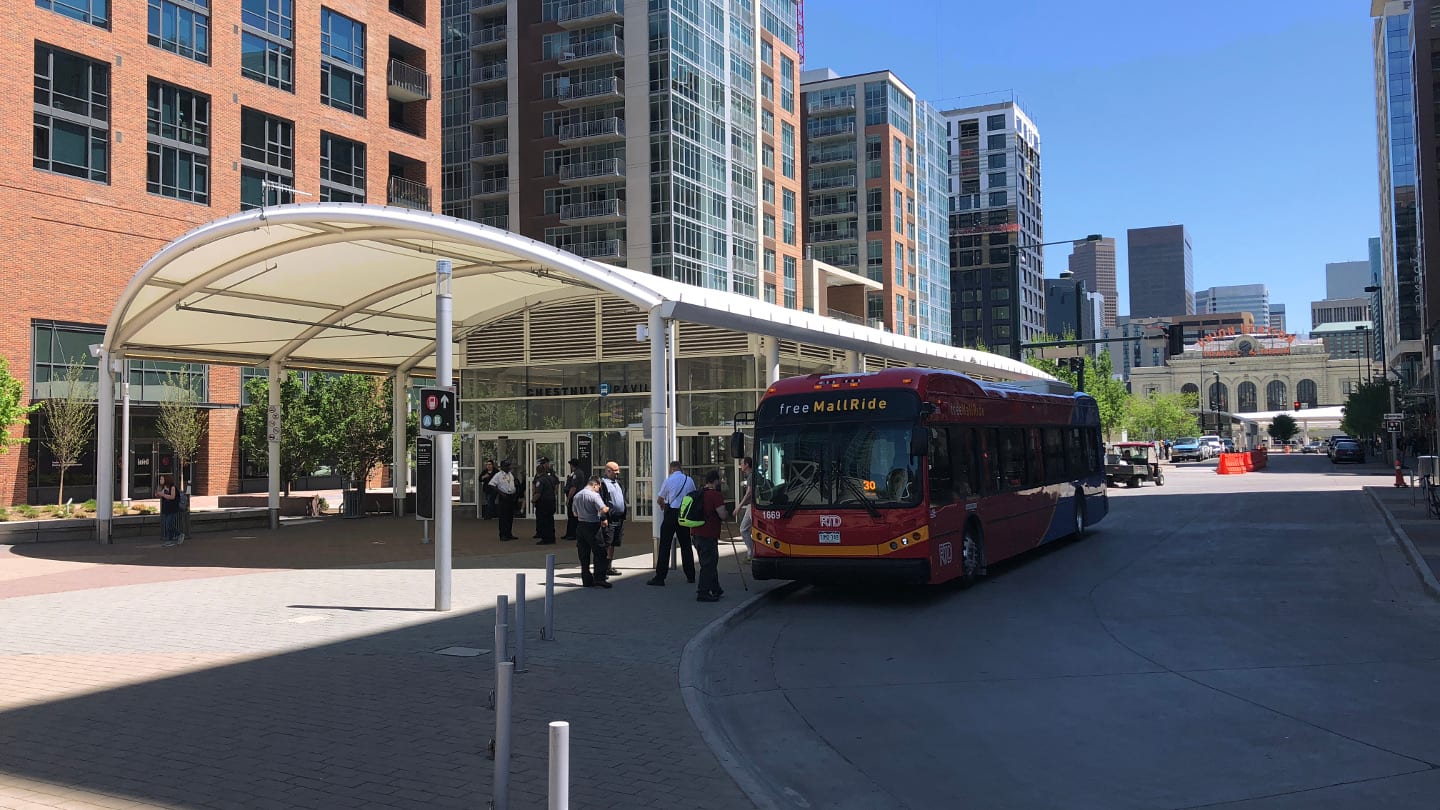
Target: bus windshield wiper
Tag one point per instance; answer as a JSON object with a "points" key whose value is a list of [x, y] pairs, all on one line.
{"points": [[805, 490], [857, 491]]}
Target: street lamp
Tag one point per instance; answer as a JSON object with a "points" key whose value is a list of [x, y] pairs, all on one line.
{"points": [[1016, 306]]}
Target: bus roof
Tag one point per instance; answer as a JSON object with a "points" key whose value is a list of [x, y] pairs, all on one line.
{"points": [[925, 381]]}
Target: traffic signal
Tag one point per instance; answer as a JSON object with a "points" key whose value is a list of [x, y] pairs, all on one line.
{"points": [[1297, 404]]}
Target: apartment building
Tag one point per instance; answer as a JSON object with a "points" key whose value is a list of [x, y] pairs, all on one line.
{"points": [[143, 122], [874, 121], [997, 267]]}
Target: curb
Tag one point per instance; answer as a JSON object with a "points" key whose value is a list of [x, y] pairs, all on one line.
{"points": [[1418, 561], [691, 670]]}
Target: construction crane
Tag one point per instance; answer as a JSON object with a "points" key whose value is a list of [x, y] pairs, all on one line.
{"points": [[800, 30]]}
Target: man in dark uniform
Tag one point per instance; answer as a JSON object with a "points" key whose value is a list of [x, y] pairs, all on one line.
{"points": [[613, 494], [574, 482], [547, 492]]}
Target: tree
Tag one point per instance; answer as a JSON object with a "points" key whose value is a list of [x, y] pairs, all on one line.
{"points": [[181, 424], [12, 413], [352, 418], [70, 420], [298, 449], [1283, 428], [1110, 394], [1163, 416], [1365, 409]]}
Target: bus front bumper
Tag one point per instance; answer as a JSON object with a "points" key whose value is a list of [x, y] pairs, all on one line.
{"points": [[914, 570]]}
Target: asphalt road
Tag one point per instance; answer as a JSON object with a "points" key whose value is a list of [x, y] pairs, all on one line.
{"points": [[1246, 641]]}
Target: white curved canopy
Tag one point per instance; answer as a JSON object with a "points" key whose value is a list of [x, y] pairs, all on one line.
{"points": [[348, 286]]}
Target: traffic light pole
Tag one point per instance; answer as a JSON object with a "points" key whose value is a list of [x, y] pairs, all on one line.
{"points": [[443, 441]]}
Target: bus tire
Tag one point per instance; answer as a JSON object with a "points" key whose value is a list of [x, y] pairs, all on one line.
{"points": [[972, 555], [1079, 515]]}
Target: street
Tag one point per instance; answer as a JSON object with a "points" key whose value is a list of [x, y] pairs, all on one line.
{"points": [[1252, 641]]}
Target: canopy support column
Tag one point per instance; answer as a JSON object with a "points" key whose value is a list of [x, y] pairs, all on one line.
{"points": [[104, 446], [659, 418], [444, 345], [399, 457], [124, 432], [772, 360], [272, 436], [854, 362]]}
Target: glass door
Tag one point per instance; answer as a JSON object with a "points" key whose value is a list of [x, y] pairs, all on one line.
{"points": [[702, 451], [642, 488], [551, 446], [142, 470], [468, 448]]}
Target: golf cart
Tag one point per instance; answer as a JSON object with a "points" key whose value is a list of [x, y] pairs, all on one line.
{"points": [[1132, 463]]}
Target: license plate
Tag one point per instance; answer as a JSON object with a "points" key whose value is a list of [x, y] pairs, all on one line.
{"points": [[829, 537]]}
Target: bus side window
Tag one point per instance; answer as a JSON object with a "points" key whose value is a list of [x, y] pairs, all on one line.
{"points": [[1035, 460], [1075, 453], [1092, 448], [1012, 458], [964, 461], [942, 482], [1056, 470]]}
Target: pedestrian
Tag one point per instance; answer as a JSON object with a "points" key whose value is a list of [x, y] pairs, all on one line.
{"points": [[590, 535], [169, 513], [503, 482], [614, 496], [707, 540], [547, 494], [676, 486], [574, 482], [487, 508], [746, 504]]}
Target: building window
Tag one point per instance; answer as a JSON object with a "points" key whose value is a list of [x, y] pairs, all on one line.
{"points": [[342, 62], [94, 12], [787, 150], [998, 198], [767, 191], [787, 83], [787, 201], [997, 161], [267, 42], [767, 87], [874, 209], [342, 169], [72, 115], [181, 27], [1275, 399], [998, 180], [995, 142], [874, 258], [994, 122], [267, 159], [178, 144], [767, 52]]}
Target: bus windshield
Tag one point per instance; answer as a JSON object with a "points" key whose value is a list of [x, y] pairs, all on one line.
{"points": [[837, 464]]}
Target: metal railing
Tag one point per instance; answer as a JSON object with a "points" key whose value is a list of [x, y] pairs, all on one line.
{"points": [[594, 168], [820, 106], [595, 87], [834, 208], [407, 193], [488, 110], [493, 185], [604, 249], [501, 221], [593, 129], [480, 37], [490, 148], [607, 46], [488, 73], [586, 8], [409, 77], [832, 156], [837, 181], [826, 128], [593, 210], [480, 5], [833, 236]]}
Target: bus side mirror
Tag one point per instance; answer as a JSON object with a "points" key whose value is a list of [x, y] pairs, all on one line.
{"points": [[737, 444], [920, 441]]}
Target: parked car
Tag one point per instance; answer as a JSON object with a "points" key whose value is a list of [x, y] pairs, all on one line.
{"points": [[1229, 445], [1313, 447], [1133, 463], [1330, 444], [1214, 445], [1347, 450], [1187, 449]]}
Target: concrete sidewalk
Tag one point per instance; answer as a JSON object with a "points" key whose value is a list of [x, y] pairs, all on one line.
{"points": [[241, 671], [1407, 513]]}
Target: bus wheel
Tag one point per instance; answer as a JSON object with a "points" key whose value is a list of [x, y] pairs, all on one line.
{"points": [[1079, 515], [972, 556]]}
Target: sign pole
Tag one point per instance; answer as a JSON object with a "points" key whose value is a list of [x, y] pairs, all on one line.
{"points": [[443, 448]]}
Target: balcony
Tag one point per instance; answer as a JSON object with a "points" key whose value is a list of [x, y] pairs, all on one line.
{"points": [[823, 156], [482, 38], [833, 210], [605, 249], [836, 181], [831, 128], [407, 193], [488, 112], [834, 236], [593, 212], [489, 74], [586, 13], [822, 106], [490, 151], [605, 129], [406, 83], [502, 222], [592, 92], [593, 52], [590, 171], [480, 6], [491, 187], [847, 317]]}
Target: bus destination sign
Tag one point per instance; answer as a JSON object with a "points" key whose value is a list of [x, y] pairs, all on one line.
{"points": [[842, 404]]}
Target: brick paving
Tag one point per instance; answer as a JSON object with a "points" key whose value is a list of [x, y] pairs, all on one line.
{"points": [[298, 669]]}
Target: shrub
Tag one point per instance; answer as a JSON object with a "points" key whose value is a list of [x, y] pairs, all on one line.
{"points": [[88, 506], [324, 505], [4, 514], [146, 509], [27, 511]]}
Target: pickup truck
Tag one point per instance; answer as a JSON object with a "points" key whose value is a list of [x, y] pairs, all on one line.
{"points": [[1187, 449]]}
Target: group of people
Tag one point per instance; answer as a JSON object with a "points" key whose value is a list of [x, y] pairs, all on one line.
{"points": [[597, 508]]}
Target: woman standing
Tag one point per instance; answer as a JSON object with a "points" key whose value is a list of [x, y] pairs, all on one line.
{"points": [[487, 493], [169, 512]]}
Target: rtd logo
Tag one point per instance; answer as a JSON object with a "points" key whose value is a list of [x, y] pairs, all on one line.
{"points": [[829, 521]]}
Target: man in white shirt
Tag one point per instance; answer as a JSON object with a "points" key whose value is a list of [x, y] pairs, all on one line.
{"points": [[614, 496], [504, 484], [676, 486]]}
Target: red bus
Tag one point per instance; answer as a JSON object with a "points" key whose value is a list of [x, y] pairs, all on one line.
{"points": [[915, 475]]}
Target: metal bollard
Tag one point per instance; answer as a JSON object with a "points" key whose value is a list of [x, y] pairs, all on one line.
{"points": [[520, 605], [548, 633], [504, 678], [502, 628], [559, 765]]}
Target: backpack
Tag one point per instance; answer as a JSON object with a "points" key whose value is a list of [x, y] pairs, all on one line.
{"points": [[692, 509]]}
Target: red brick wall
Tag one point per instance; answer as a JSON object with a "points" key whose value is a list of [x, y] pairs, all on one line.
{"points": [[72, 245]]}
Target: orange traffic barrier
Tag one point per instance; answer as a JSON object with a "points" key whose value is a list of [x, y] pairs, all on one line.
{"points": [[1247, 460], [1230, 464], [1260, 457]]}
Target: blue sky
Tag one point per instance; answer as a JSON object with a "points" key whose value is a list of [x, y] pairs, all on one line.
{"points": [[1253, 124]]}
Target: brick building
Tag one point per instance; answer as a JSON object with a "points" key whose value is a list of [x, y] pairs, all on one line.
{"points": [[148, 125]]}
